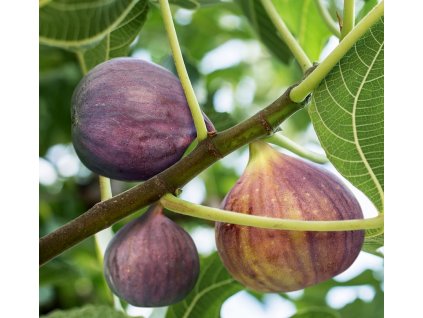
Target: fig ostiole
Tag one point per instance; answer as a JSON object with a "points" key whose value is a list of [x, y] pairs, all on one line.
{"points": [[130, 119], [151, 261], [280, 186]]}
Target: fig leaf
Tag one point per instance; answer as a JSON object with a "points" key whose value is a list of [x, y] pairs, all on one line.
{"points": [[347, 114]]}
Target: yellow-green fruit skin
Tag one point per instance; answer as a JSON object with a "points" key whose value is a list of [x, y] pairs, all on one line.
{"points": [[277, 185]]}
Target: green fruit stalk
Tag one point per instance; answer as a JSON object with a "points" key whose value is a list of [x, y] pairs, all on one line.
{"points": [[280, 186]]}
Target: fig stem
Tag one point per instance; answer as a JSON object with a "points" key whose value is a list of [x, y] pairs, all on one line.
{"points": [[105, 188], [286, 143], [330, 23], [194, 107], [175, 204], [302, 90], [81, 62], [103, 237], [287, 36], [348, 18]]}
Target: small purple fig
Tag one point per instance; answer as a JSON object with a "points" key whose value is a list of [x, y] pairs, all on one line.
{"points": [[280, 186], [151, 261], [130, 119]]}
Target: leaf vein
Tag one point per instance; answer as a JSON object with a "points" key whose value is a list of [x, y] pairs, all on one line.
{"points": [[355, 133], [343, 80], [333, 98], [329, 129], [204, 291]]}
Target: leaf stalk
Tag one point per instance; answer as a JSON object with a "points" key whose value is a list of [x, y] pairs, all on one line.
{"points": [[348, 18], [175, 204], [330, 23], [300, 92], [287, 36], [286, 143], [196, 113]]}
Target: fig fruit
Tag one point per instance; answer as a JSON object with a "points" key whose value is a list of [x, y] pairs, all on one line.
{"points": [[277, 185], [151, 261], [130, 119]]}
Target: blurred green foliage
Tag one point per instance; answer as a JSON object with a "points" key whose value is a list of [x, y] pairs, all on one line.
{"points": [[89, 311], [234, 75]]}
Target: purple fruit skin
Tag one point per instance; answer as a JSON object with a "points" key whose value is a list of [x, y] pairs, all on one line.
{"points": [[130, 119], [277, 185], [151, 261]]}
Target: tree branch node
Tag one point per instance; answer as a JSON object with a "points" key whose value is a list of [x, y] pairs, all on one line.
{"points": [[265, 124], [211, 147], [162, 186]]}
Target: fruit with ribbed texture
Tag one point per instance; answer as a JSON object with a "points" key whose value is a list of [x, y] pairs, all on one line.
{"points": [[280, 186], [151, 261], [130, 119]]}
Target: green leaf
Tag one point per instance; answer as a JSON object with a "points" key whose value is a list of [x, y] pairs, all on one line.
{"points": [[88, 311], [186, 4], [204, 3], [52, 272], [214, 286], [315, 296], [362, 309], [117, 42], [317, 312], [59, 74], [192, 4], [373, 240], [304, 21], [83, 23], [373, 243], [221, 121], [347, 114], [367, 277], [263, 26]]}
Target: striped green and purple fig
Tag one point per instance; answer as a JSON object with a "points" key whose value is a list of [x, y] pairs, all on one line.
{"points": [[151, 261], [280, 186], [130, 119]]}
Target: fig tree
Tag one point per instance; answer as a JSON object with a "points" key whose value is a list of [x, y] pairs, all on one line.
{"points": [[130, 119], [151, 261], [280, 186]]}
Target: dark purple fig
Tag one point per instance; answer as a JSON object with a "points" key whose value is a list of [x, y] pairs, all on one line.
{"points": [[277, 185], [151, 261], [130, 119]]}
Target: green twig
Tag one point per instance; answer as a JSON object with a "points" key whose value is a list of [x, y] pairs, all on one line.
{"points": [[287, 36], [105, 188], [300, 92], [330, 23], [103, 237], [196, 113], [81, 62], [348, 18], [175, 204], [285, 142]]}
